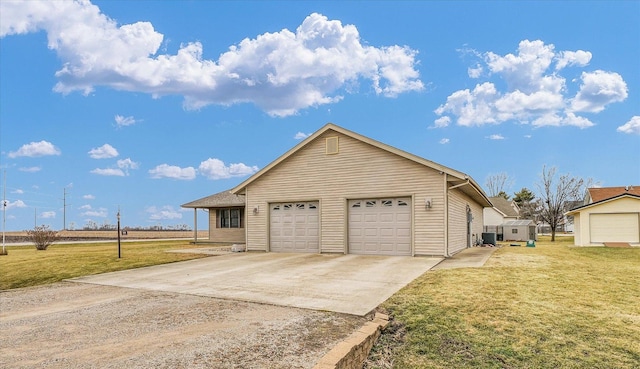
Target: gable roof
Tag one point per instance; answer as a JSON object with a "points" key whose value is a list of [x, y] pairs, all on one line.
{"points": [[455, 177], [504, 206], [220, 200], [601, 193], [578, 209]]}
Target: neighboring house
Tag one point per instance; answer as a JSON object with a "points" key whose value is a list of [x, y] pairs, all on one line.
{"points": [[503, 210], [609, 215], [227, 217], [340, 192]]}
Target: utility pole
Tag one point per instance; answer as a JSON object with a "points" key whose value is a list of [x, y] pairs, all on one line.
{"points": [[64, 208], [4, 211]]}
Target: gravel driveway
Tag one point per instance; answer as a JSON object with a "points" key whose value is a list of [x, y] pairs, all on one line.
{"points": [[76, 325]]}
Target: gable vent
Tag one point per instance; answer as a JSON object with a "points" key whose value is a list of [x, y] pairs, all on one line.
{"points": [[332, 145]]}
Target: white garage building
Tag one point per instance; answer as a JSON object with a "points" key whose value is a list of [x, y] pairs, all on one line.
{"points": [[609, 220]]}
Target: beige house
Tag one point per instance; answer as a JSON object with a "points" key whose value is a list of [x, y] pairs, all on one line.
{"points": [[611, 215], [340, 192]]}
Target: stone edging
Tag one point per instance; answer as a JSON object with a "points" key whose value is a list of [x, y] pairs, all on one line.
{"points": [[353, 351]]}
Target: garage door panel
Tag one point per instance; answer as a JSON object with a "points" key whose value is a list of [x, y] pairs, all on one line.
{"points": [[615, 227], [380, 226], [387, 218], [294, 227]]}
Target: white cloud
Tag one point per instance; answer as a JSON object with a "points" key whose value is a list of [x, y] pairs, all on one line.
{"points": [[18, 191], [85, 207], [569, 58], [30, 169], [442, 122], [15, 204], [496, 137], [216, 169], [475, 72], [122, 170], [528, 136], [631, 127], [88, 197], [166, 212], [280, 72], [556, 120], [301, 136], [535, 93], [172, 171], [444, 141], [48, 214], [122, 121], [108, 172], [599, 89], [127, 164], [105, 151], [34, 149], [99, 213]]}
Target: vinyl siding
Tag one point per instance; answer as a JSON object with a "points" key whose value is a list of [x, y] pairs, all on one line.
{"points": [[224, 235], [359, 170], [458, 202]]}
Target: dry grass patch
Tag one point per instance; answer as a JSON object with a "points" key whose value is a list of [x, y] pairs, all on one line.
{"points": [[552, 306], [24, 266]]}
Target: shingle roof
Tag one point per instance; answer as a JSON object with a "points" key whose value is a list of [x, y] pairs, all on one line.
{"points": [[219, 200], [603, 193], [504, 206], [523, 222], [597, 203]]}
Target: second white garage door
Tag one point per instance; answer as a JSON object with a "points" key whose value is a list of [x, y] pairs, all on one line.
{"points": [[294, 227], [617, 227], [380, 226]]}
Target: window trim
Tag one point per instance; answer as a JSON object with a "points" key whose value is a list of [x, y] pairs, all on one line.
{"points": [[225, 218]]}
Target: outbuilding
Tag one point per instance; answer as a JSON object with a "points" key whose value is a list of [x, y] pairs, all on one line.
{"points": [[612, 220], [519, 230], [340, 192]]}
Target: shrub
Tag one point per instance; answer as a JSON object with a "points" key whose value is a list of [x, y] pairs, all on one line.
{"points": [[42, 237]]}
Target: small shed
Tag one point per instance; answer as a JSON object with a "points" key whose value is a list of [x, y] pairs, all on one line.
{"points": [[519, 230]]}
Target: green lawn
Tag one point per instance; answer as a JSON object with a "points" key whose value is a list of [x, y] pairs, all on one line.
{"points": [[552, 306], [25, 266]]}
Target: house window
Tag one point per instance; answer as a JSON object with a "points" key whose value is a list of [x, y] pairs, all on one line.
{"points": [[514, 230], [230, 218]]}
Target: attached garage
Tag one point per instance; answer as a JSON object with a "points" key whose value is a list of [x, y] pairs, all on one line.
{"points": [[360, 196], [380, 226], [614, 220], [616, 227], [294, 227]]}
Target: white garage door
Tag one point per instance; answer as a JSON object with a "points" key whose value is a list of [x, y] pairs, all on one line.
{"points": [[619, 227], [294, 227], [380, 226]]}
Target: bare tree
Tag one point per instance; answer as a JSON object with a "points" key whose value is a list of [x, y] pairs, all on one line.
{"points": [[42, 237], [498, 184], [554, 194]]}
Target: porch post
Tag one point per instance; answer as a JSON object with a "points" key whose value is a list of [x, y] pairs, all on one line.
{"points": [[195, 225]]}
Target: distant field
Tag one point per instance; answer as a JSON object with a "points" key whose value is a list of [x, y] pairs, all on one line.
{"points": [[108, 235]]}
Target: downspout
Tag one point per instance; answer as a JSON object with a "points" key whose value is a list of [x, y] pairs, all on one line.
{"points": [[246, 219], [446, 217]]}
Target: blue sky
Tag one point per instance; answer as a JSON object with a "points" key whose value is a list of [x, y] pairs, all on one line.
{"points": [[146, 105]]}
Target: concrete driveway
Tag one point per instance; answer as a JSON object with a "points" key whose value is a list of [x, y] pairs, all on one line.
{"points": [[352, 284]]}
